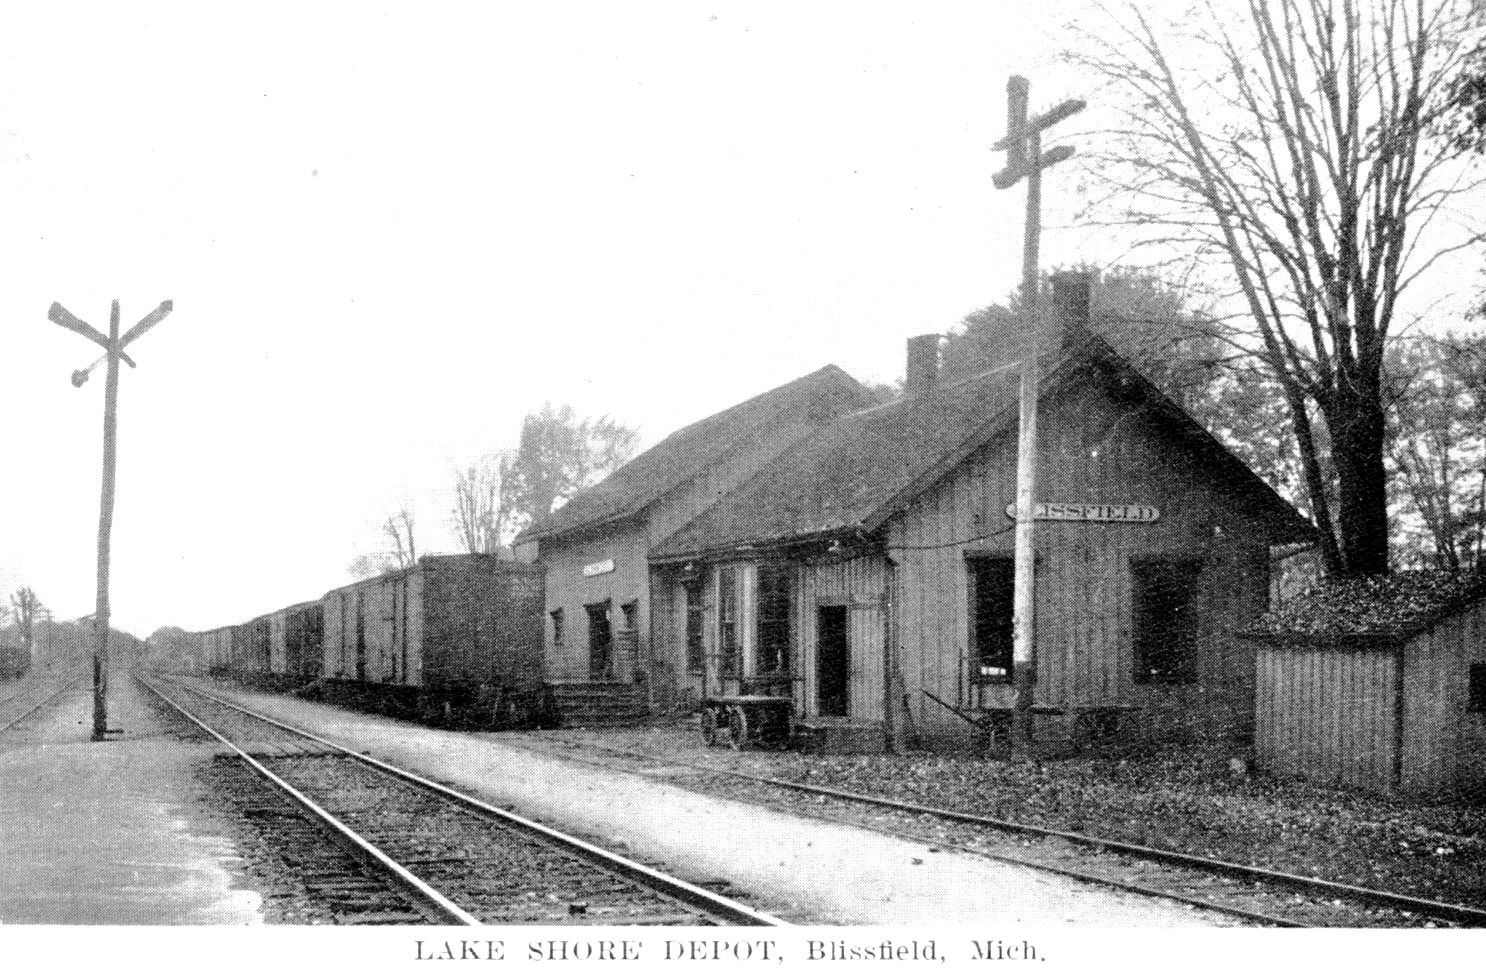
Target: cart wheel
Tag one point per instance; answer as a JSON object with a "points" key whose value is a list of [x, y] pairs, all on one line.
{"points": [[737, 727], [709, 726]]}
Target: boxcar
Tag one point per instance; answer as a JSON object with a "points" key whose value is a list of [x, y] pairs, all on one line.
{"points": [[304, 641], [216, 647], [453, 638]]}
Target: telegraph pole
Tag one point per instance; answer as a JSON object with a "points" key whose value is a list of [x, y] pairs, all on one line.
{"points": [[1025, 158], [113, 346]]}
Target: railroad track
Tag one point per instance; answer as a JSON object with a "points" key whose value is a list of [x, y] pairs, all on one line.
{"points": [[22, 704], [1249, 893], [426, 853]]}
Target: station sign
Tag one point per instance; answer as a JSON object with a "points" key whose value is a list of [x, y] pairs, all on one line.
{"points": [[599, 568], [1090, 512]]}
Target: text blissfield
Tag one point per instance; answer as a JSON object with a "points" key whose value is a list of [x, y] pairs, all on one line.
{"points": [[715, 950]]}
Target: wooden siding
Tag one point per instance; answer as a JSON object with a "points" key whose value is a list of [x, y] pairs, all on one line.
{"points": [[860, 585], [1334, 716], [676, 687], [567, 588], [1444, 744], [1093, 450], [381, 660], [480, 624], [278, 660], [1327, 715]]}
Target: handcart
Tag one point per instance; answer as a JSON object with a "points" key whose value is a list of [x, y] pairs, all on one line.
{"points": [[747, 720]]}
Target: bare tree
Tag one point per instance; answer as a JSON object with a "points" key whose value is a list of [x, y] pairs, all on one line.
{"points": [[1301, 149], [402, 550], [399, 548], [26, 607], [482, 516]]}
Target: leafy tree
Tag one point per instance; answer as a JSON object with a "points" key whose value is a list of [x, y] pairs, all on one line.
{"points": [[559, 454], [1181, 349], [1143, 317], [1437, 452], [1466, 122], [1299, 146]]}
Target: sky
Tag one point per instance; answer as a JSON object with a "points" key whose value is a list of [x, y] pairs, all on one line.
{"points": [[390, 231]]}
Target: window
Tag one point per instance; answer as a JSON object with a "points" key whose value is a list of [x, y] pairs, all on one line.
{"points": [[556, 627], [1477, 696], [775, 583], [1165, 620], [727, 618], [993, 590], [694, 619]]}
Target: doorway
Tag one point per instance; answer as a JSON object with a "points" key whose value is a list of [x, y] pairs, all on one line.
{"points": [[832, 662], [600, 643]]}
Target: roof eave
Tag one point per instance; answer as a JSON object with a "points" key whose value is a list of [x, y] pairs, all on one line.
{"points": [[734, 548]]}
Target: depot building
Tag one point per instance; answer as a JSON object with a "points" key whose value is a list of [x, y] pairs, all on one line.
{"points": [[857, 556]]}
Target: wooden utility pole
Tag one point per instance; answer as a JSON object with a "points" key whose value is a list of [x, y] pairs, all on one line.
{"points": [[113, 346], [1025, 158]]}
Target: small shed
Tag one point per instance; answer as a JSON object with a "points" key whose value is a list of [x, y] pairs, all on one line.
{"points": [[1379, 683]]}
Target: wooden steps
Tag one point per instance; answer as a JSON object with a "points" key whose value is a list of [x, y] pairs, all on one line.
{"points": [[598, 704]]}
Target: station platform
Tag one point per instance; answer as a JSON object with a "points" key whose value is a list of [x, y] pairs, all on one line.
{"points": [[111, 832]]}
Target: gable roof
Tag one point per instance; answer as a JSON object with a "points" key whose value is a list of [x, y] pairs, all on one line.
{"points": [[1388, 609], [861, 469], [806, 403]]}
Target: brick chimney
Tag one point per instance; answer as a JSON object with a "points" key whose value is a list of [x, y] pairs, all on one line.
{"points": [[923, 364], [1071, 304]]}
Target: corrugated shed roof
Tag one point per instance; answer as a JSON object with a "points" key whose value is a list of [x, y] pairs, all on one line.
{"points": [[858, 470], [1390, 608], [807, 402]]}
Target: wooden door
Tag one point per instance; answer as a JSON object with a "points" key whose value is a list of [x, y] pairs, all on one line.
{"points": [[832, 662]]}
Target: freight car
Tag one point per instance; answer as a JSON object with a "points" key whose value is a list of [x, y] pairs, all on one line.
{"points": [[304, 641], [451, 640], [262, 655], [14, 662], [216, 647]]}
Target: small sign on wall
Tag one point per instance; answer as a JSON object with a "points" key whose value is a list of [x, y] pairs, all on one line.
{"points": [[599, 568], [1093, 512]]}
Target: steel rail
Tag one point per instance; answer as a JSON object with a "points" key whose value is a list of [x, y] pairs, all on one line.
{"points": [[433, 904], [699, 897], [1458, 913], [66, 687]]}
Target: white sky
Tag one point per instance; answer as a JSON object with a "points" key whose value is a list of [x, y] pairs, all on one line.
{"points": [[392, 230]]}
